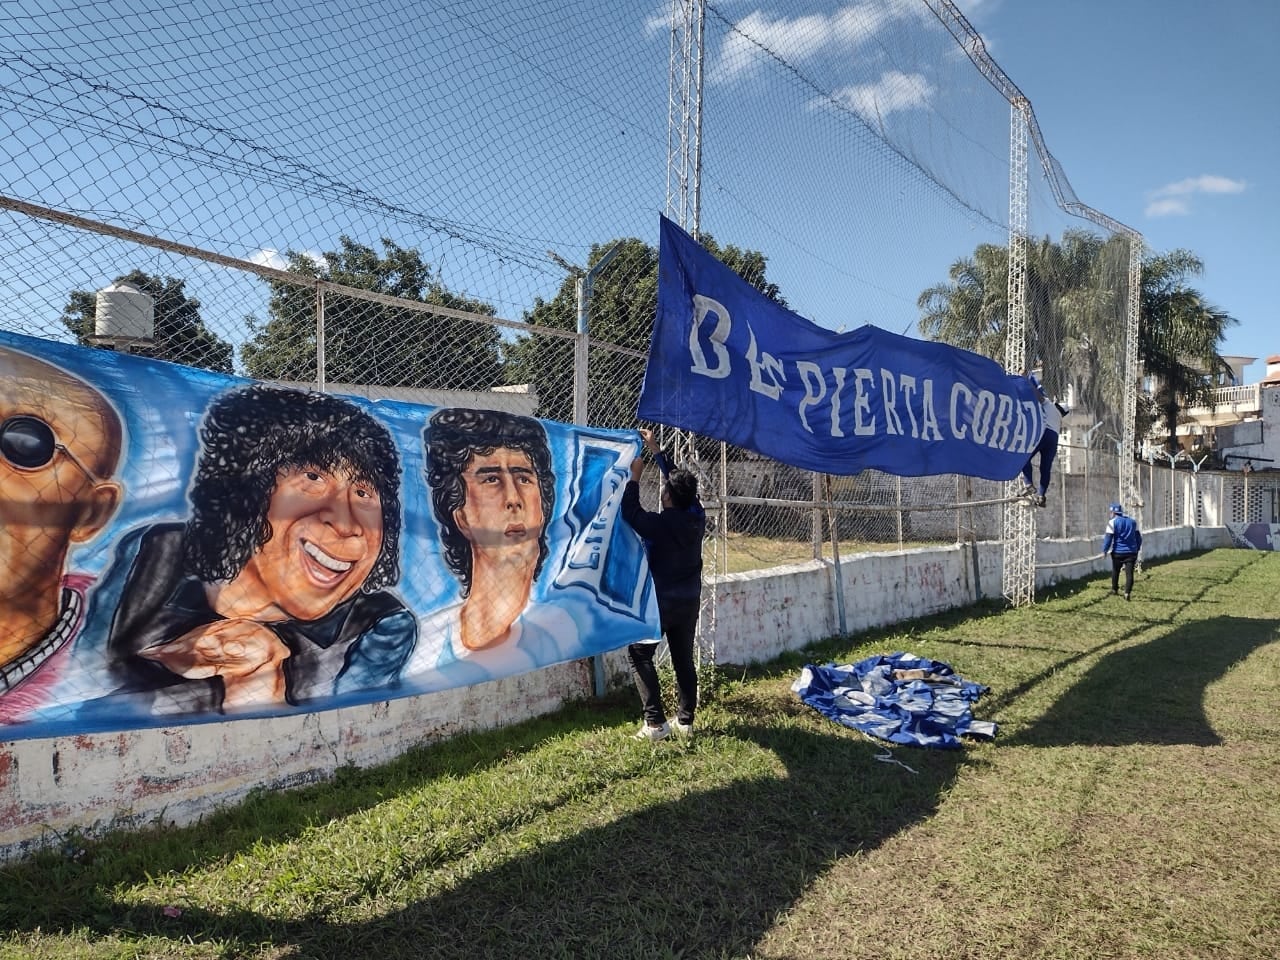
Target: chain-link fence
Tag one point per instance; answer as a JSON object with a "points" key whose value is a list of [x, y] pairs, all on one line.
{"points": [[1208, 498], [397, 201], [778, 514]]}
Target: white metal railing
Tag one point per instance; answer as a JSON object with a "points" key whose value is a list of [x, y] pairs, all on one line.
{"points": [[1236, 399]]}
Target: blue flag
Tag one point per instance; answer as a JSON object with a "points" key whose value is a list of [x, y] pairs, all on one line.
{"points": [[729, 363]]}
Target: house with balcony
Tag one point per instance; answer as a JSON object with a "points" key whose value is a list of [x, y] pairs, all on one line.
{"points": [[1241, 424]]}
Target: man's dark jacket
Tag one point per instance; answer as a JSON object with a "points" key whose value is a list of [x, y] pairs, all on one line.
{"points": [[673, 539]]}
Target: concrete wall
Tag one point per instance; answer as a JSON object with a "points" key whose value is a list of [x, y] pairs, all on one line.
{"points": [[176, 775], [1266, 452], [762, 616]]}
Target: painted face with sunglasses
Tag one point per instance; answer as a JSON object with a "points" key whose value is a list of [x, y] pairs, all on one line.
{"points": [[60, 441]]}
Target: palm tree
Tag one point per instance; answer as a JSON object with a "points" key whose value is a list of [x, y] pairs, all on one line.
{"points": [[1180, 335], [1062, 307], [1077, 308], [1091, 294], [971, 310]]}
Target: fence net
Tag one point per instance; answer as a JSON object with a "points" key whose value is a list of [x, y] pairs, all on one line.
{"points": [[466, 164], [890, 127]]}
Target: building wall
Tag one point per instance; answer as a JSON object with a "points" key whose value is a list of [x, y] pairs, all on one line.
{"points": [[176, 775], [1242, 433]]}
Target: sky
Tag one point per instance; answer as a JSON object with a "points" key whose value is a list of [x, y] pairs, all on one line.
{"points": [[1164, 121], [1166, 117]]}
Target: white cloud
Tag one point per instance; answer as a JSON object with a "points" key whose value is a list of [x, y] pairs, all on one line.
{"points": [[977, 8], [794, 40], [659, 21], [1173, 199], [759, 35], [1205, 183], [1168, 207], [267, 257], [892, 92]]}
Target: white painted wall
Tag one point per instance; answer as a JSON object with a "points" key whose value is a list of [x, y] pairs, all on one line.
{"points": [[1267, 450], [176, 775]]}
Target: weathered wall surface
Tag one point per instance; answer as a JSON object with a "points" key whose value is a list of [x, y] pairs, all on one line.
{"points": [[761, 617], [177, 774], [1255, 536]]}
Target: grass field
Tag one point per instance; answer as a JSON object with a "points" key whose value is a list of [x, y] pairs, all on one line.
{"points": [[746, 552], [1128, 807]]}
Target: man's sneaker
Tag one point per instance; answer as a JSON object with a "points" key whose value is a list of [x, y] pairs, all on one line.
{"points": [[1126, 595], [1040, 500], [683, 729], [647, 732]]}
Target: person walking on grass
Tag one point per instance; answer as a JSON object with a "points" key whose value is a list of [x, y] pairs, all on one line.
{"points": [[1123, 540], [673, 541]]}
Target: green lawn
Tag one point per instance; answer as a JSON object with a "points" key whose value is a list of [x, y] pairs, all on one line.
{"points": [[747, 552], [1128, 807]]}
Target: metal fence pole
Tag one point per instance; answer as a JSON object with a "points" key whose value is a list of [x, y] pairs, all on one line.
{"points": [[320, 371], [835, 556], [581, 360], [1062, 500], [1088, 517], [815, 517], [897, 491]]}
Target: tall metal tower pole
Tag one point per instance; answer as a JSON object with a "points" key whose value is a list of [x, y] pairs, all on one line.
{"points": [[684, 114], [1019, 568], [1019, 580], [1128, 441], [684, 206]]}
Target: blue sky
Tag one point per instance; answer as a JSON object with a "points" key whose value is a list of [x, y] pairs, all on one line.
{"points": [[526, 129], [1165, 117]]}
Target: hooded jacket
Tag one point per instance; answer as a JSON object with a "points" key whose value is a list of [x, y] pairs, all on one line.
{"points": [[1122, 534]]}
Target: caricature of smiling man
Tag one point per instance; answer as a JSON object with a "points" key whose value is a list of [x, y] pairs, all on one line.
{"points": [[270, 592], [60, 442], [326, 532]]}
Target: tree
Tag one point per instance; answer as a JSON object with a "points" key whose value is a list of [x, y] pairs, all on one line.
{"points": [[1077, 305], [1072, 298], [623, 304], [1080, 290], [971, 309], [368, 342], [1181, 336], [180, 335]]}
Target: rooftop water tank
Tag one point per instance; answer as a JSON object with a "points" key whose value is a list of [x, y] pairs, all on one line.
{"points": [[124, 315]]}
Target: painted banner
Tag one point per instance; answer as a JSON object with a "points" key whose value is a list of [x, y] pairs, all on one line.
{"points": [[182, 546], [1255, 536], [727, 362]]}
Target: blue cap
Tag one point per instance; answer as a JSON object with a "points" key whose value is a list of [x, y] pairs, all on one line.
{"points": [[1116, 508]]}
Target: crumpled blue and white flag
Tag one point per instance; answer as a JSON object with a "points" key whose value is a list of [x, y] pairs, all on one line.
{"points": [[897, 697]]}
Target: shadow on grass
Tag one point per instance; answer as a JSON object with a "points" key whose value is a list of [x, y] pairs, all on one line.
{"points": [[1151, 693], [55, 890], [704, 876]]}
